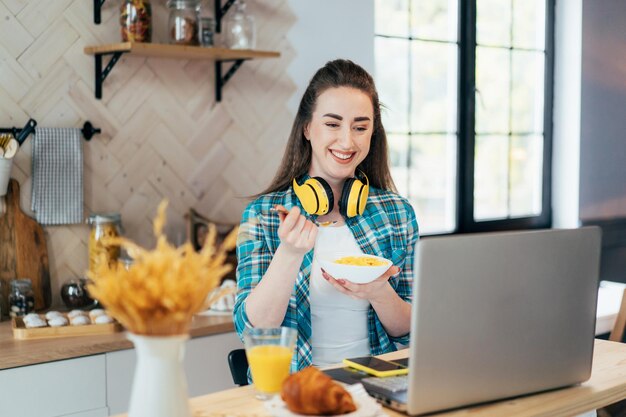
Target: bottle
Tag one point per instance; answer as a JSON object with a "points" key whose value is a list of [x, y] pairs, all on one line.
{"points": [[136, 20], [239, 28], [207, 31], [183, 21], [103, 226], [21, 297]]}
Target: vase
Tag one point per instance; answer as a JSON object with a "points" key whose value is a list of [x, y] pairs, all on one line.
{"points": [[159, 386]]}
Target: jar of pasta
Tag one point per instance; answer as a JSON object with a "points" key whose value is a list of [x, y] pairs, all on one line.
{"points": [[103, 226], [136, 20]]}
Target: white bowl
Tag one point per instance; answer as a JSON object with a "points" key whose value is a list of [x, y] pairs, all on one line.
{"points": [[353, 273]]}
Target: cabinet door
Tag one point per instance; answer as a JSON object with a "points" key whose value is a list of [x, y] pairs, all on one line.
{"points": [[206, 363], [206, 368], [54, 389]]}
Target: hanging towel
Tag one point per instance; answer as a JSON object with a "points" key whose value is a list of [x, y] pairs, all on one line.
{"points": [[57, 165]]}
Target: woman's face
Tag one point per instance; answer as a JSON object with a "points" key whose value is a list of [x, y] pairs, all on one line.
{"points": [[340, 132]]}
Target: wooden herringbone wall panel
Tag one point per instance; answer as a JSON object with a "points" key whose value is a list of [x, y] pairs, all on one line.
{"points": [[163, 134]]}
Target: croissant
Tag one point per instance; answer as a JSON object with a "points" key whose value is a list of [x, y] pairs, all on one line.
{"points": [[312, 392]]}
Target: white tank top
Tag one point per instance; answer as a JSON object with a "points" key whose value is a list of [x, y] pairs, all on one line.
{"points": [[338, 322]]}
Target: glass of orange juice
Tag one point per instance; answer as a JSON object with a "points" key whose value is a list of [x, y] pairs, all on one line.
{"points": [[269, 353]]}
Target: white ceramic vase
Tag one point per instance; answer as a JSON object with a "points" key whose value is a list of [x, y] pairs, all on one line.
{"points": [[159, 386]]}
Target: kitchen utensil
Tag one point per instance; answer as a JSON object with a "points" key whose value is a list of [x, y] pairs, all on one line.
{"points": [[23, 250], [8, 145], [281, 209], [75, 295]]}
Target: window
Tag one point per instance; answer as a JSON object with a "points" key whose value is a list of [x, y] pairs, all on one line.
{"points": [[467, 87]]}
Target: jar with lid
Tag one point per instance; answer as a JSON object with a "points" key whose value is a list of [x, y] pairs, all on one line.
{"points": [[21, 297], [207, 31], [183, 21], [239, 28], [103, 226], [3, 304], [136, 20]]}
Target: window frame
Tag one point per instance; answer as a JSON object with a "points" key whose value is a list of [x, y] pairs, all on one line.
{"points": [[465, 222]]}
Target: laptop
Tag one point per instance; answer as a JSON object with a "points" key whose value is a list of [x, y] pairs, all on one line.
{"points": [[497, 315]]}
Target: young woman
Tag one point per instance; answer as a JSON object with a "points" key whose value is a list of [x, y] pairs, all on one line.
{"points": [[336, 153]]}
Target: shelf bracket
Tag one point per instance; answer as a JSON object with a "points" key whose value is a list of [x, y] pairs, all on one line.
{"points": [[97, 11], [101, 75], [220, 12], [220, 81]]}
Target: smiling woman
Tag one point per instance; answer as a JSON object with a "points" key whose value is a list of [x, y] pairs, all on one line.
{"points": [[334, 169]]}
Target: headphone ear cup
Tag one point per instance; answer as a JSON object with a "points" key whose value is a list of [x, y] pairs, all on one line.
{"points": [[345, 197], [315, 195], [353, 197], [327, 205]]}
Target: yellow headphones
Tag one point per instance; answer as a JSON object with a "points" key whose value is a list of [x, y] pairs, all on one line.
{"points": [[317, 197]]}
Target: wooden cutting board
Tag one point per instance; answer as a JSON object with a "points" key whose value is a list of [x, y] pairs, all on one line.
{"points": [[23, 250]]}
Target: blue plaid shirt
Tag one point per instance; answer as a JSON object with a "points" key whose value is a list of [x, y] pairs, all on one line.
{"points": [[387, 228]]}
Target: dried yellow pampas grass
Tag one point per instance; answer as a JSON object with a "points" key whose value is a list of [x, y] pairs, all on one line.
{"points": [[166, 286]]}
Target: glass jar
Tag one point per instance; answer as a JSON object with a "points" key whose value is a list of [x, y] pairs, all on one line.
{"points": [[136, 21], [239, 28], [207, 31], [3, 306], [21, 297], [103, 226], [183, 21]]}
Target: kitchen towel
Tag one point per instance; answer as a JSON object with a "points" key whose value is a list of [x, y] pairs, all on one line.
{"points": [[57, 165]]}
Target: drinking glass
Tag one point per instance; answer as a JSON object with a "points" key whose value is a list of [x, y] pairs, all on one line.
{"points": [[269, 353]]}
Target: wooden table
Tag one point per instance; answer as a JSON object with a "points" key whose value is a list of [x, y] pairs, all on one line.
{"points": [[606, 386]]}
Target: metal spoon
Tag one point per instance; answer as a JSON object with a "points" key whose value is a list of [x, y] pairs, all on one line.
{"points": [[317, 223]]}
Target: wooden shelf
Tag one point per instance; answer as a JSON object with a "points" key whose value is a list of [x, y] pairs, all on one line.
{"points": [[179, 51], [157, 50]]}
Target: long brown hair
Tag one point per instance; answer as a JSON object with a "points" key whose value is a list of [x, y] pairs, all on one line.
{"points": [[297, 157]]}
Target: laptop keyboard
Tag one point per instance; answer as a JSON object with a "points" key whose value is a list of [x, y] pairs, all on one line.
{"points": [[391, 384]]}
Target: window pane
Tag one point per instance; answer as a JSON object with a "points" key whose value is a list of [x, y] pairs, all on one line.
{"points": [[434, 19], [526, 175], [433, 182], [392, 82], [399, 161], [493, 89], [392, 17], [529, 24], [493, 22], [527, 92], [434, 87], [491, 181]]}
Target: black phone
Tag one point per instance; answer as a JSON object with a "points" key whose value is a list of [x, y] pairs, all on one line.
{"points": [[403, 361], [376, 367]]}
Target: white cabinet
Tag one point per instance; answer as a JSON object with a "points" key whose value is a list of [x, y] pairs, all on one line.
{"points": [[100, 385], [74, 387], [206, 368]]}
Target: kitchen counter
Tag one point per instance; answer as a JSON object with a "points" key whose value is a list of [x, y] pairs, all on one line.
{"points": [[14, 353]]}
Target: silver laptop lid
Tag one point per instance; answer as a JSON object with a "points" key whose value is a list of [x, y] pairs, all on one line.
{"points": [[497, 315]]}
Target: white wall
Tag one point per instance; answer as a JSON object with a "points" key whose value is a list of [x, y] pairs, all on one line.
{"points": [[325, 30]]}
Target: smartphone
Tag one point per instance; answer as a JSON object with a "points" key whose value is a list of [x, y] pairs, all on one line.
{"points": [[376, 367]]}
